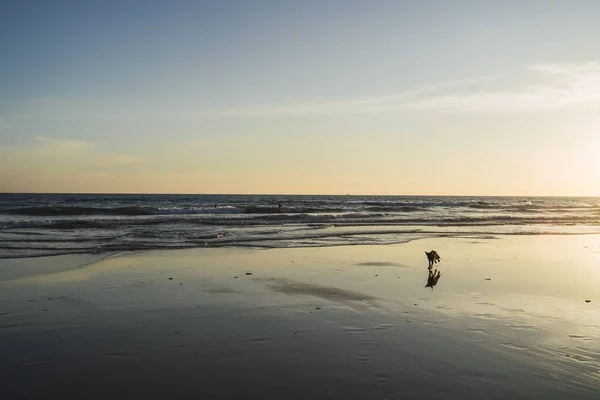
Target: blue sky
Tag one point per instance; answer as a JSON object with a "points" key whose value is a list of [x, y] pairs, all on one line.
{"points": [[390, 97]]}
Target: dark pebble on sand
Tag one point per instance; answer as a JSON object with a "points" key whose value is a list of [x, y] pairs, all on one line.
{"points": [[235, 277], [170, 279], [317, 308], [248, 273], [181, 284], [488, 279], [588, 301]]}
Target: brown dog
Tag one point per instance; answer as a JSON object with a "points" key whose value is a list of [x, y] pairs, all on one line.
{"points": [[433, 258]]}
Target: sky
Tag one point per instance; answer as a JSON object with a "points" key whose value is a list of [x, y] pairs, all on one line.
{"points": [[301, 97]]}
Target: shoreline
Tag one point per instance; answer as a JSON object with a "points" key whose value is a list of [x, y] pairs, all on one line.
{"points": [[411, 235], [85, 259]]}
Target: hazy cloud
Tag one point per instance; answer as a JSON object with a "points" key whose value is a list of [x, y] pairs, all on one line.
{"points": [[59, 147], [564, 85], [352, 106], [559, 85], [63, 152], [549, 86]]}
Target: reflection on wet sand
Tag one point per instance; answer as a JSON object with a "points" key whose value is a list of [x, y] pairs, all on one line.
{"points": [[332, 294], [433, 278]]}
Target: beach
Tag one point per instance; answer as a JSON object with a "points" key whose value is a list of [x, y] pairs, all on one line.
{"points": [[313, 200], [510, 317]]}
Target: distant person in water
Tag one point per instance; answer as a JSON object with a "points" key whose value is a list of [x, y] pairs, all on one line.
{"points": [[279, 205], [433, 278]]}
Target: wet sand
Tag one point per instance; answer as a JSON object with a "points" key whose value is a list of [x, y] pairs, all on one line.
{"points": [[509, 318]]}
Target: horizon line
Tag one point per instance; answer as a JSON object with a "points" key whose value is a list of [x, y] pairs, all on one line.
{"points": [[284, 194]]}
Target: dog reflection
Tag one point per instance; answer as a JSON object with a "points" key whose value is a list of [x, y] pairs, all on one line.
{"points": [[433, 278]]}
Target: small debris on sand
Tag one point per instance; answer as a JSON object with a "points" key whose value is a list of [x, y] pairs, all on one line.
{"points": [[588, 301], [170, 279], [488, 279], [248, 273]]}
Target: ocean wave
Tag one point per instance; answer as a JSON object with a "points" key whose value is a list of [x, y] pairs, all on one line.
{"points": [[364, 207], [71, 211], [117, 211], [394, 208], [46, 211], [531, 207], [523, 209], [61, 224], [184, 222], [291, 210]]}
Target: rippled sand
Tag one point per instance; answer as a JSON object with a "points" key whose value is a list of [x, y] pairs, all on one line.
{"points": [[507, 319]]}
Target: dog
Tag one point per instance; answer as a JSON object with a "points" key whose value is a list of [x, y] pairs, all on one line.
{"points": [[433, 258]]}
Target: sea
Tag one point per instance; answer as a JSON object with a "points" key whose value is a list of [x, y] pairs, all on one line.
{"points": [[34, 225]]}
